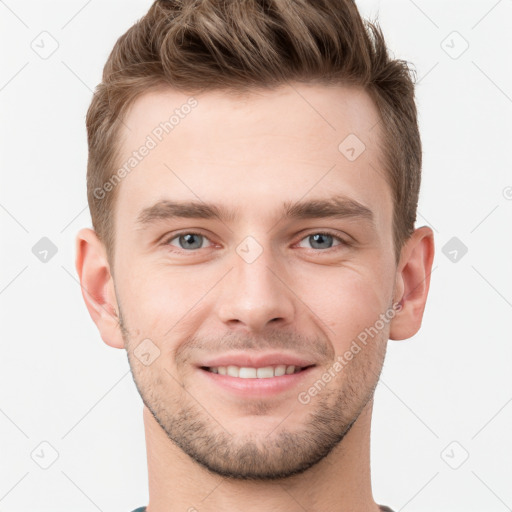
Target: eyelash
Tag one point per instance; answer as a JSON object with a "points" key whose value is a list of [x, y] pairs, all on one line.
{"points": [[174, 249]]}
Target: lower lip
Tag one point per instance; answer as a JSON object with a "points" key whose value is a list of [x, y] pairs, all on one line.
{"points": [[257, 387]]}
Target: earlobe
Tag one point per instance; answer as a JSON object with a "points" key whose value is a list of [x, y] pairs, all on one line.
{"points": [[413, 281], [97, 286]]}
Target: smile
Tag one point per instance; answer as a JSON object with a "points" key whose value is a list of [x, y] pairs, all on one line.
{"points": [[265, 372]]}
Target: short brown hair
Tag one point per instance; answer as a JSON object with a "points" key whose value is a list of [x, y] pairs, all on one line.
{"points": [[239, 45]]}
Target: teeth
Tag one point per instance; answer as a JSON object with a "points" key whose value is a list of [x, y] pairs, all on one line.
{"points": [[280, 370], [232, 371], [265, 372], [262, 373], [246, 373]]}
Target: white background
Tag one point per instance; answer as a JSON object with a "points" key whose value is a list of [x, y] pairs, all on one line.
{"points": [[60, 384]]}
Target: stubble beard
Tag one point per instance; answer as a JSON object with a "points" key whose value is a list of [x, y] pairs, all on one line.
{"points": [[260, 456]]}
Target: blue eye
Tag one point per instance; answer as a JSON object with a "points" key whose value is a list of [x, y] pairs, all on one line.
{"points": [[320, 240], [188, 241]]}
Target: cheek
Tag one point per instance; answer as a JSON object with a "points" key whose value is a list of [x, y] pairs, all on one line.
{"points": [[161, 302], [345, 302], [159, 299]]}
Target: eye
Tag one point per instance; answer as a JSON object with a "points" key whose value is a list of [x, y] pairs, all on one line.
{"points": [[187, 241], [324, 241]]}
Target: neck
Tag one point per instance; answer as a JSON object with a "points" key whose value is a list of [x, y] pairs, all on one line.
{"points": [[341, 481]]}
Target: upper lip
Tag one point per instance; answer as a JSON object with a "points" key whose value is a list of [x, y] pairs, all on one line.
{"points": [[247, 360]]}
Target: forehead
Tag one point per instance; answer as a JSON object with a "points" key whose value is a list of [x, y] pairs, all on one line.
{"points": [[253, 151]]}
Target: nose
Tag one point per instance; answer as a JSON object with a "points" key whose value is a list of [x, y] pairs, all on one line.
{"points": [[256, 295]]}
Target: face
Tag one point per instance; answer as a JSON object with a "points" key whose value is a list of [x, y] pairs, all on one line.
{"points": [[251, 253]]}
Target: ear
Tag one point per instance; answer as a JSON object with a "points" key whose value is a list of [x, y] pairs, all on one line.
{"points": [[412, 283], [98, 286]]}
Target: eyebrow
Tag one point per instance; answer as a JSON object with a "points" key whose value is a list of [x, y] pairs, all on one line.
{"points": [[337, 207]]}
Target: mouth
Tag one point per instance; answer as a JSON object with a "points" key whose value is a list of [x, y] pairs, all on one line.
{"points": [[261, 377], [263, 372]]}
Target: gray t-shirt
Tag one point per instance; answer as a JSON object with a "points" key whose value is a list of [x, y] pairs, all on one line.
{"points": [[382, 507]]}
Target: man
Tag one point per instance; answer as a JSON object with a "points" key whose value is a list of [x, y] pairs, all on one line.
{"points": [[253, 176]]}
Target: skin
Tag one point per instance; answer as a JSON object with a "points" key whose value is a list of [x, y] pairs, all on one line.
{"points": [[207, 448]]}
